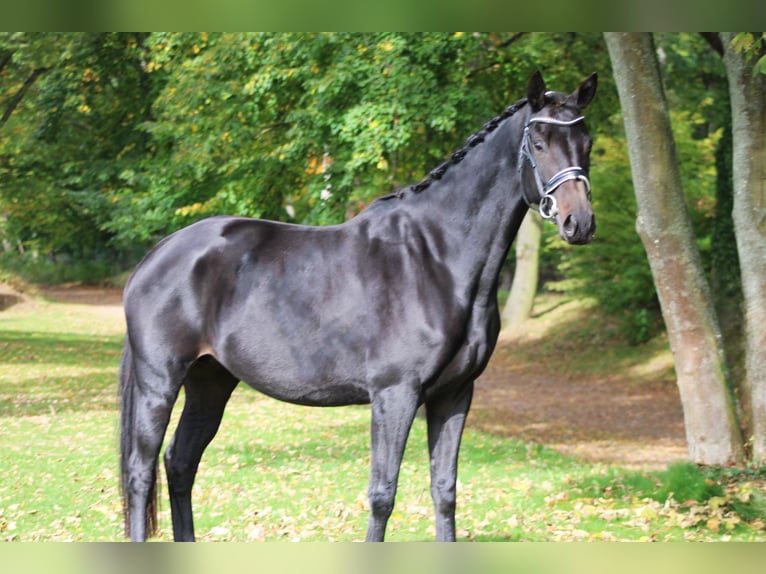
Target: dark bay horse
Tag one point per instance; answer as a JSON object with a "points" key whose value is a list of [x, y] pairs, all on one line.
{"points": [[396, 307]]}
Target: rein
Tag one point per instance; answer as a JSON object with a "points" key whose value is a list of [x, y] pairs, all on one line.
{"points": [[547, 206]]}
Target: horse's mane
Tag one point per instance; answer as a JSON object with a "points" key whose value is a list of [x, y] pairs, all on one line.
{"points": [[457, 156]]}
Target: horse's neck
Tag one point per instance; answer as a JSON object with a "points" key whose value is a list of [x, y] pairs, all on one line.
{"points": [[480, 203]]}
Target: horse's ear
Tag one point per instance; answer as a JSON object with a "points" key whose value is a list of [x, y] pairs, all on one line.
{"points": [[584, 94], [536, 91]]}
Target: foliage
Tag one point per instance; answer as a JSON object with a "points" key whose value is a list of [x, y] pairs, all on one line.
{"points": [[296, 126], [119, 139], [753, 45], [64, 146]]}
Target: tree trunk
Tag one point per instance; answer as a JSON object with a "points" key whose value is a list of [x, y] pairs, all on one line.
{"points": [[747, 93], [712, 429], [518, 308], [725, 276]]}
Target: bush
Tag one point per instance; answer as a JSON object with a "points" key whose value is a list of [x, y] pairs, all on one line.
{"points": [[54, 270]]}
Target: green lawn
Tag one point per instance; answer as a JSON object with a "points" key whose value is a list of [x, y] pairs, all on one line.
{"points": [[283, 472]]}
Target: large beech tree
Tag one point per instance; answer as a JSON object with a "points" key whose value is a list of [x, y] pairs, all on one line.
{"points": [[663, 223], [747, 94]]}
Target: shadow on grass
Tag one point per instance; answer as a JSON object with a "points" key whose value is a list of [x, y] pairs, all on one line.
{"points": [[55, 395], [18, 348], [44, 373]]}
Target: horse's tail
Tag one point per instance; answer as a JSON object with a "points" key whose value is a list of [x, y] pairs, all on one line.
{"points": [[127, 390]]}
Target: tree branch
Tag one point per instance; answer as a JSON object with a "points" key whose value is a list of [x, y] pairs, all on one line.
{"points": [[493, 63], [264, 129], [714, 39], [5, 58], [17, 97], [511, 40]]}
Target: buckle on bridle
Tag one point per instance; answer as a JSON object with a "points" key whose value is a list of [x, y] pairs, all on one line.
{"points": [[548, 207]]}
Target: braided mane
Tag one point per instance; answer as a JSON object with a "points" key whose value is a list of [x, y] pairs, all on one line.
{"points": [[474, 140]]}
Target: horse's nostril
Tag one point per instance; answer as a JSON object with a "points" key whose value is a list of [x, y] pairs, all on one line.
{"points": [[570, 225]]}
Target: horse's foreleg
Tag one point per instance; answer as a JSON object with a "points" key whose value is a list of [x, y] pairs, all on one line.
{"points": [[203, 410], [446, 419], [393, 410]]}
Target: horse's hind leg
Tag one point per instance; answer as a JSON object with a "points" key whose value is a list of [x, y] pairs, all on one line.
{"points": [[208, 388], [147, 403], [446, 418]]}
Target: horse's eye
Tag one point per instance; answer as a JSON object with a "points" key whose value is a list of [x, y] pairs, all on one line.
{"points": [[538, 145]]}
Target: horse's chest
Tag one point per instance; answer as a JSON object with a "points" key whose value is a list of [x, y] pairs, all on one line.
{"points": [[471, 357]]}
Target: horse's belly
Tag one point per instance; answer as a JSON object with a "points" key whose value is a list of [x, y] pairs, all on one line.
{"points": [[315, 394]]}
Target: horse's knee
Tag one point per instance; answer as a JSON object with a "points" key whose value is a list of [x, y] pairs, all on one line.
{"points": [[382, 500], [444, 495]]}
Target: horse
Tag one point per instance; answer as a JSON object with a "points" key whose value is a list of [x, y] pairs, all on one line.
{"points": [[396, 308]]}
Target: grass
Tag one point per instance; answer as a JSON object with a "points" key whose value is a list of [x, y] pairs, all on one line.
{"points": [[283, 472]]}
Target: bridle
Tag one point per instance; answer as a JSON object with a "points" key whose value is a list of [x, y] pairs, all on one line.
{"points": [[547, 206]]}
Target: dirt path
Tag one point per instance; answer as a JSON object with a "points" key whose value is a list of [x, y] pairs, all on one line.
{"points": [[610, 421], [97, 296], [9, 297], [602, 420]]}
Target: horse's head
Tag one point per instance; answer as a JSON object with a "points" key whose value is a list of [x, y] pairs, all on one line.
{"points": [[555, 156]]}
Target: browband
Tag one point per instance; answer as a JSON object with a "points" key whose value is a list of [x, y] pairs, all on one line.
{"points": [[555, 122]]}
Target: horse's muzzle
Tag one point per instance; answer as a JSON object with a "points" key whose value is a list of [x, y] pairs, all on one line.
{"points": [[578, 230]]}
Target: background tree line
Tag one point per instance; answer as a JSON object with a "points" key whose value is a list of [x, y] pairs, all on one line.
{"points": [[110, 141]]}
